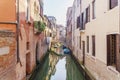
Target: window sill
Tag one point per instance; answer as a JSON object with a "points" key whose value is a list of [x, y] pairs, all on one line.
{"points": [[93, 57], [28, 22], [82, 31], [27, 51], [88, 54], [113, 69], [113, 7], [93, 19]]}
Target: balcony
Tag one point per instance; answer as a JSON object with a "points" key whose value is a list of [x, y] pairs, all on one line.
{"points": [[82, 29], [39, 27]]}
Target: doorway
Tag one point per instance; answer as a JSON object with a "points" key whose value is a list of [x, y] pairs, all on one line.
{"points": [[28, 70], [113, 50], [37, 54]]}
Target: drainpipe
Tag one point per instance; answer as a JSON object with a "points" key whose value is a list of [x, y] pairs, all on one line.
{"points": [[17, 31], [119, 14]]}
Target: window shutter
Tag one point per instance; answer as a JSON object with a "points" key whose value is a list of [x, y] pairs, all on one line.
{"points": [[113, 3], [108, 50], [87, 44], [80, 23], [93, 9], [83, 45], [93, 45], [86, 15], [84, 20], [80, 42], [89, 13], [118, 53], [77, 23]]}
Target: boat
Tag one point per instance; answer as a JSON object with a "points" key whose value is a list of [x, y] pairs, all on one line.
{"points": [[66, 51]]}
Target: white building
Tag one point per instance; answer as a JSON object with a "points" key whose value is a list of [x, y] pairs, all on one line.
{"points": [[96, 40]]}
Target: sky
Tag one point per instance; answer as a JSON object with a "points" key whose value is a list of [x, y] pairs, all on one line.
{"points": [[58, 9]]}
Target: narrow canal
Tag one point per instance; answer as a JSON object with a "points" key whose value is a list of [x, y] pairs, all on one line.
{"points": [[58, 68]]}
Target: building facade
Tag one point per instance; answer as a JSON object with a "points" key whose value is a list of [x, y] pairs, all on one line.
{"points": [[60, 33], [69, 28], [95, 37], [8, 41], [75, 28], [22, 39], [52, 20]]}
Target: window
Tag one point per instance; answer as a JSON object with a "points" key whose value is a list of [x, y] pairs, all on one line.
{"points": [[87, 44], [67, 22], [93, 45], [28, 10], [88, 14], [93, 9], [41, 11], [113, 3], [36, 8], [41, 7], [71, 28], [78, 2], [78, 22], [50, 34], [82, 21], [27, 45], [80, 42]]}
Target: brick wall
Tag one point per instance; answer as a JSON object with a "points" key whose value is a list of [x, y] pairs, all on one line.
{"points": [[7, 55]]}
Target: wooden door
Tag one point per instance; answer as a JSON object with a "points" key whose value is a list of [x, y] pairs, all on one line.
{"points": [[118, 52]]}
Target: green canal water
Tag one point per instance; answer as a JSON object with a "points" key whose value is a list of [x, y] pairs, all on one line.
{"points": [[58, 68]]}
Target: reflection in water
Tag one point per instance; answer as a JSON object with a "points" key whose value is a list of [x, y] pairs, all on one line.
{"points": [[48, 68], [58, 68], [72, 71]]}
